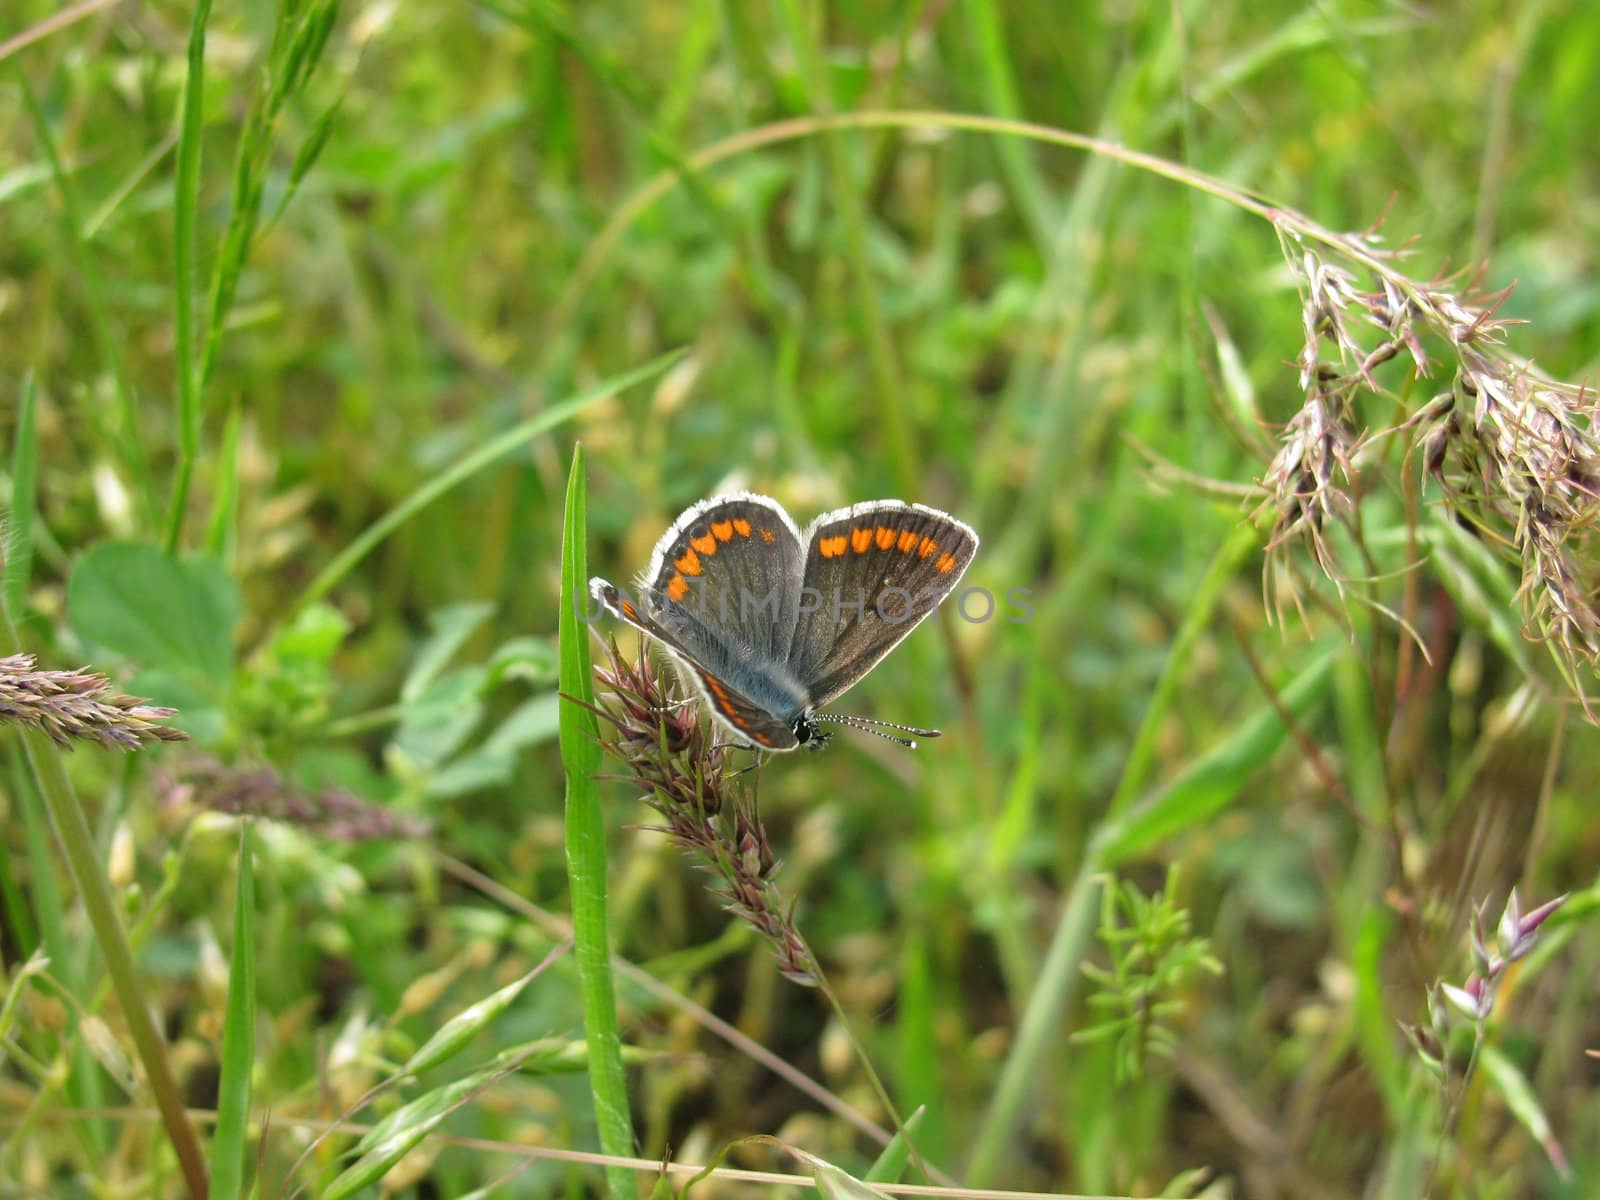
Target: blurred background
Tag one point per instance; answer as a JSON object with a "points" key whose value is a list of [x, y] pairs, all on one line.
{"points": [[413, 230]]}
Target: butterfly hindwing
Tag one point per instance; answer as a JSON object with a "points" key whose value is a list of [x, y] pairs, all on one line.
{"points": [[690, 645]]}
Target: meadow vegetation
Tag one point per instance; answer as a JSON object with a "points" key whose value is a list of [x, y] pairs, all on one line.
{"points": [[341, 342]]}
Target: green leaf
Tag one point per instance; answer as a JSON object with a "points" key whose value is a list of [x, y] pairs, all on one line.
{"points": [[465, 468], [392, 1138], [527, 658], [231, 1142], [175, 614], [834, 1184], [452, 626], [313, 637], [534, 721], [440, 720]]}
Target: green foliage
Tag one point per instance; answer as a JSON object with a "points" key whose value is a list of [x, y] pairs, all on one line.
{"points": [[304, 310], [1155, 955], [172, 617]]}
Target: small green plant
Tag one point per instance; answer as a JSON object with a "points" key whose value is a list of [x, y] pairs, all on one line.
{"points": [[1154, 955]]}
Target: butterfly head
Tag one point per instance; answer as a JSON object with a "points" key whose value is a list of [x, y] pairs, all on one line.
{"points": [[808, 731]]}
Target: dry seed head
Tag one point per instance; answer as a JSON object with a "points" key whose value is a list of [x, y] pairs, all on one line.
{"points": [[1516, 453]]}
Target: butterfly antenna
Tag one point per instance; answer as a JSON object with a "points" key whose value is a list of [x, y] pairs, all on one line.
{"points": [[868, 725]]}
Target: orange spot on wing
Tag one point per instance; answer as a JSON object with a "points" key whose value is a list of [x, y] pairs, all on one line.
{"points": [[678, 588], [908, 539], [689, 564], [741, 527], [719, 697], [706, 544], [928, 547], [884, 537], [831, 547], [762, 738], [860, 540], [723, 530], [768, 536], [946, 564], [629, 611]]}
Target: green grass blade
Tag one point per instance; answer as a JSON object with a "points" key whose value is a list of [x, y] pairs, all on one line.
{"points": [[453, 1036], [222, 532], [918, 1075], [85, 1084], [586, 845], [998, 81], [891, 1163], [17, 555], [1196, 620], [127, 436], [231, 1142], [850, 203], [1519, 1096], [1210, 783], [185, 202], [465, 468]]}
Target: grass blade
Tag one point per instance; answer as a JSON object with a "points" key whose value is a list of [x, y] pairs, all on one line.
{"points": [[891, 1163], [1211, 782], [126, 438], [184, 204], [231, 1142], [85, 1084], [16, 548], [222, 533], [586, 845], [463, 470]]}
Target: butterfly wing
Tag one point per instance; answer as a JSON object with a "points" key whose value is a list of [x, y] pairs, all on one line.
{"points": [[873, 572], [687, 644], [731, 564], [722, 594]]}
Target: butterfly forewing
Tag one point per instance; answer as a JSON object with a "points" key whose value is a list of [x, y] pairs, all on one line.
{"points": [[730, 566], [872, 573]]}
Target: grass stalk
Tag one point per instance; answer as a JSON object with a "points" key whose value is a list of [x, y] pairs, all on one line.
{"points": [[586, 845], [230, 1143], [16, 534], [185, 203], [77, 846]]}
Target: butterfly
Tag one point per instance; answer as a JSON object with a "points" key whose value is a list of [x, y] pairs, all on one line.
{"points": [[772, 624]]}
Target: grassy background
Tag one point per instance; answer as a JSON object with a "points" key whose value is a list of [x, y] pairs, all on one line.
{"points": [[1000, 328]]}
